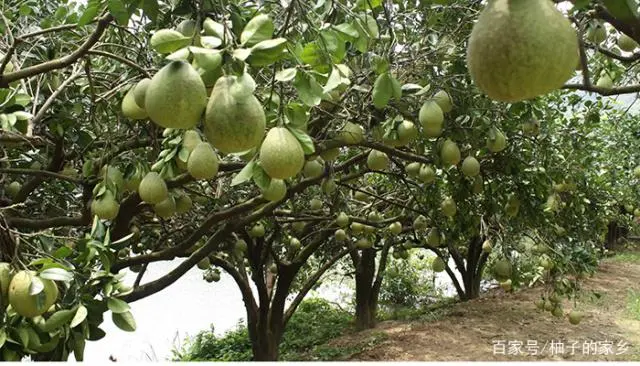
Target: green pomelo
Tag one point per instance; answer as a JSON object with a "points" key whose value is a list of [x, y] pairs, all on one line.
{"points": [[313, 168], [330, 154], [470, 166], [437, 265], [176, 96], [597, 33], [5, 280], [152, 188], [130, 109], [627, 43], [234, 122], [443, 100], [450, 154], [351, 134], [364, 243], [433, 237], [340, 235], [426, 174], [412, 169], [342, 220], [511, 47], [377, 160], [203, 162], [276, 191], [502, 270], [431, 119], [140, 92], [498, 142], [13, 189], [448, 207], [407, 132], [31, 305], [281, 155], [183, 203], [105, 206], [166, 208]]}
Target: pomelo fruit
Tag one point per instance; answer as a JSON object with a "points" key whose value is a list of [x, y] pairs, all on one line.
{"points": [[203, 162], [105, 207], [426, 174], [13, 189], [5, 280], [183, 203], [342, 220], [281, 155], [25, 304], [166, 208], [604, 81], [176, 96], [234, 120], [470, 166], [575, 317], [364, 243], [395, 228], [496, 141], [433, 237], [431, 119], [448, 207], [330, 154], [276, 191], [450, 154], [443, 100], [257, 231], [407, 132], [511, 45], [204, 263], [130, 109], [627, 43], [437, 265], [190, 140], [351, 134], [377, 160], [140, 92], [328, 185], [356, 227], [113, 174], [506, 285], [340, 235], [486, 246], [412, 169], [420, 223], [187, 27], [152, 188], [597, 33], [313, 168], [502, 270], [315, 204]]}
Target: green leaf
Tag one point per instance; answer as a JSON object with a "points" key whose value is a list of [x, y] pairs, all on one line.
{"points": [[118, 9], [244, 175], [305, 140], [62, 252], [382, 91], [3, 337], [79, 317], [267, 52], [210, 42], [286, 74], [205, 58], [56, 274], [396, 87], [260, 177], [368, 4], [58, 319], [123, 239], [259, 29], [166, 41], [348, 30], [117, 306], [78, 346], [90, 12], [297, 115], [309, 91], [124, 321], [36, 286], [23, 334], [625, 10], [150, 9]]}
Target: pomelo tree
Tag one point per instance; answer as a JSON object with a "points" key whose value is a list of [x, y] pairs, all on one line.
{"points": [[139, 132]]}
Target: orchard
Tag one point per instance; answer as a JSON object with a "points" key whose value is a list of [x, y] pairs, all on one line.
{"points": [[276, 141]]}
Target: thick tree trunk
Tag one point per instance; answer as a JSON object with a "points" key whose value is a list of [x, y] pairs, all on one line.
{"points": [[472, 275], [366, 297]]}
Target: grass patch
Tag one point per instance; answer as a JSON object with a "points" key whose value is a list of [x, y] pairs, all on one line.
{"points": [[341, 352], [627, 257], [633, 304]]}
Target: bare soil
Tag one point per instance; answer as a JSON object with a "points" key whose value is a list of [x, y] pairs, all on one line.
{"points": [[477, 330]]}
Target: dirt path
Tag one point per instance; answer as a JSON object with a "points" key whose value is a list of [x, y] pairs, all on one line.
{"points": [[477, 330]]}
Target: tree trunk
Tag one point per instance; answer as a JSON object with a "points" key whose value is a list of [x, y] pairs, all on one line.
{"points": [[266, 351], [366, 297]]}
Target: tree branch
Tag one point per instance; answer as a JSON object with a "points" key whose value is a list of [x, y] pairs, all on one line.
{"points": [[59, 63]]}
